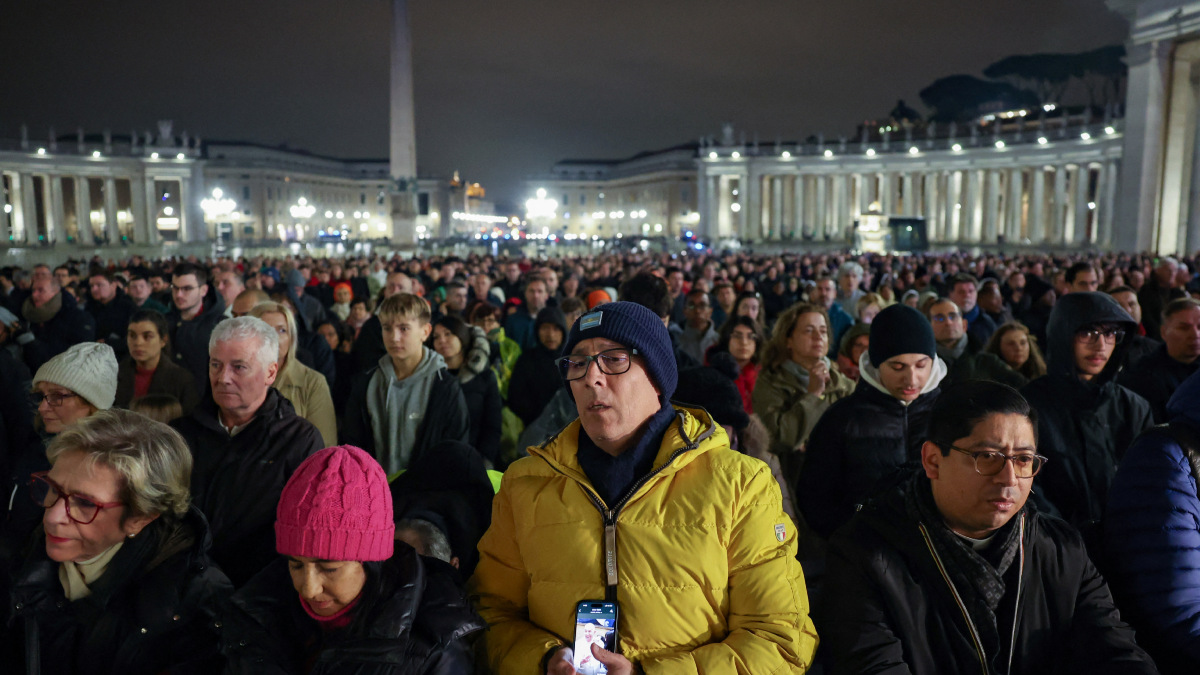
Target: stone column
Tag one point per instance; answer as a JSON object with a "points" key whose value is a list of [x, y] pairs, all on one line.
{"points": [[1081, 205], [1107, 203], [24, 220], [971, 210], [991, 207], [910, 200], [716, 195], [798, 206], [844, 213], [1146, 94], [862, 180], [56, 214], [775, 231], [110, 210], [952, 230], [741, 229], [6, 217], [403, 134], [1037, 206], [1056, 228], [143, 202], [754, 211], [83, 212], [704, 227], [1013, 212]]}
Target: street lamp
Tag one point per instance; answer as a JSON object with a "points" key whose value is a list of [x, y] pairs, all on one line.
{"points": [[302, 209], [218, 209]]}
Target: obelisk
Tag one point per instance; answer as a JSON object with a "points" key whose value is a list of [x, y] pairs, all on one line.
{"points": [[403, 158]]}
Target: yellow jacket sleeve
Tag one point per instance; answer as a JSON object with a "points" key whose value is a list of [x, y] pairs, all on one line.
{"points": [[770, 630]]}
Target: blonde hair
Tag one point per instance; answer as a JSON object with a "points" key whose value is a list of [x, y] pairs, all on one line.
{"points": [[289, 318], [404, 306], [777, 350], [152, 459]]}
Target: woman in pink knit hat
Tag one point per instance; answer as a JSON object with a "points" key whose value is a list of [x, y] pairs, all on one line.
{"points": [[345, 596]]}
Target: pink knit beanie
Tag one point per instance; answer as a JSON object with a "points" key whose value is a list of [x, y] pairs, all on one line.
{"points": [[336, 506]]}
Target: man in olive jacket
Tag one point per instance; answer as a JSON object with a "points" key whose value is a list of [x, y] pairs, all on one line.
{"points": [[954, 572]]}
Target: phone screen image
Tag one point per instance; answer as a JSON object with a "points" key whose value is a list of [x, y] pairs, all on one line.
{"points": [[595, 623]]}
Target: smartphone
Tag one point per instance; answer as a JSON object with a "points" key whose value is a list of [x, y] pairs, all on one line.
{"points": [[595, 623]]}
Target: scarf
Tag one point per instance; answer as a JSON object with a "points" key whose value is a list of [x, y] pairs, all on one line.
{"points": [[978, 576], [44, 313], [801, 373], [952, 354], [76, 577], [613, 476]]}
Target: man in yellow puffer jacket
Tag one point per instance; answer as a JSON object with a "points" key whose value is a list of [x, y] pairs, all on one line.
{"points": [[642, 503]]}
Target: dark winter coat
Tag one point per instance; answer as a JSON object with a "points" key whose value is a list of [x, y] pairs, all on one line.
{"points": [[411, 619], [1155, 378], [189, 339], [236, 481], [69, 326], [168, 378], [535, 378], [112, 319], [887, 608], [859, 441], [152, 611], [368, 346], [21, 454], [976, 364], [1153, 298], [482, 394], [445, 416], [1152, 536], [1083, 427]]}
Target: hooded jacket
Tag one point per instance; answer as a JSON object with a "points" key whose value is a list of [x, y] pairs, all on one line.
{"points": [[482, 395], [889, 606], [444, 416], [535, 377], [1152, 536], [1083, 427], [858, 442], [189, 339], [411, 619], [236, 481], [704, 563], [152, 610]]}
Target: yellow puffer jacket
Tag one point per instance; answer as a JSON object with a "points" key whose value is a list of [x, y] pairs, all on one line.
{"points": [[707, 576]]}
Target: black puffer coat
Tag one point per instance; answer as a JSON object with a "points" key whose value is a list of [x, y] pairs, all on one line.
{"points": [[236, 481], [859, 441], [411, 619], [887, 608], [153, 610], [1083, 427]]}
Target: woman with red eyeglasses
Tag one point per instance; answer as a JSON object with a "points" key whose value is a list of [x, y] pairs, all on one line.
{"points": [[119, 580]]}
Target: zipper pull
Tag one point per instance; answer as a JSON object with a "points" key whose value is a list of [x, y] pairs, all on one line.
{"points": [[610, 551]]}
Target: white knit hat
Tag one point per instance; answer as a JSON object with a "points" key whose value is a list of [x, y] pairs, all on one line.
{"points": [[88, 369]]}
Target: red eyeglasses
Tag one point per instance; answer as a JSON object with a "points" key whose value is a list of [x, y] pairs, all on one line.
{"points": [[80, 509]]}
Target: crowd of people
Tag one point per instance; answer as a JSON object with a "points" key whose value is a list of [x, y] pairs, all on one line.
{"points": [[422, 464]]}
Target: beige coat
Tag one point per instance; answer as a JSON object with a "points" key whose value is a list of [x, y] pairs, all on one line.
{"points": [[308, 393]]}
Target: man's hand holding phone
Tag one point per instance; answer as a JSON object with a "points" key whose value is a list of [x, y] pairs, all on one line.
{"points": [[560, 663]]}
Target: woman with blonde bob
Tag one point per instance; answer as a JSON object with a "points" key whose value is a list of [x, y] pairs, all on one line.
{"points": [[1013, 343], [798, 382], [120, 580], [304, 387]]}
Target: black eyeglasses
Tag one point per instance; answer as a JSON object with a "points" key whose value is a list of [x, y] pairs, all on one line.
{"points": [[609, 361], [991, 462], [1112, 336], [55, 400], [943, 318], [183, 289], [81, 509]]}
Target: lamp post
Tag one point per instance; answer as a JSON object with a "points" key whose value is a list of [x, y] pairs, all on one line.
{"points": [[540, 210], [219, 210], [301, 210]]}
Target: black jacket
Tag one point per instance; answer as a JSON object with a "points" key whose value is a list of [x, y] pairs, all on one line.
{"points": [[152, 610], [21, 454], [69, 326], [482, 395], [168, 378], [976, 364], [445, 415], [1155, 377], [236, 481], [859, 441], [1153, 298], [1083, 427], [111, 320], [411, 619], [887, 608], [189, 339], [535, 376]]}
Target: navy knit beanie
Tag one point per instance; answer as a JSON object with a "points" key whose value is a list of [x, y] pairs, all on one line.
{"points": [[900, 329], [631, 325]]}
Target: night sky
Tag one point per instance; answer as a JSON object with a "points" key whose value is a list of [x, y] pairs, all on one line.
{"points": [[506, 88]]}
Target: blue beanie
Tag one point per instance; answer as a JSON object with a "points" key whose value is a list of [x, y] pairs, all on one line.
{"points": [[631, 325]]}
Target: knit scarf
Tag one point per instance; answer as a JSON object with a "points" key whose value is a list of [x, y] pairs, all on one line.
{"points": [[952, 354], [44, 313], [76, 577], [978, 576]]}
